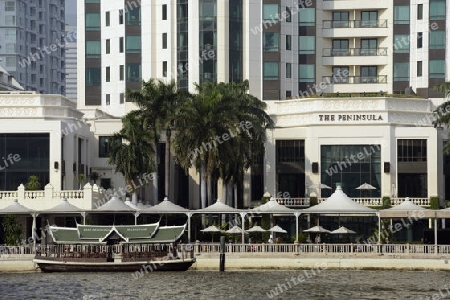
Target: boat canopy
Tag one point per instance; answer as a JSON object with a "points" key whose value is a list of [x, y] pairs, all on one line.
{"points": [[98, 234]]}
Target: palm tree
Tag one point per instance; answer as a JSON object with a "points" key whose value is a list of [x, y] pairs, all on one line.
{"points": [[158, 103], [132, 151]]}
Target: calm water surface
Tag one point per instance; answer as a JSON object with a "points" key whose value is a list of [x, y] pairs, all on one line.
{"points": [[330, 284]]}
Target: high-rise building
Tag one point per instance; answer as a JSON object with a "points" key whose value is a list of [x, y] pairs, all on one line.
{"points": [[32, 43], [71, 50]]}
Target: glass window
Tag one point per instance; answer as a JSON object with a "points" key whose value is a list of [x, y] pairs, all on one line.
{"points": [[121, 72], [401, 43], [270, 12], [290, 151], [419, 68], [120, 16], [133, 44], [108, 74], [93, 76], [307, 16], [92, 21], [288, 42], [93, 49], [288, 70], [411, 150], [289, 15], [401, 71], [164, 11], [134, 73], [437, 68], [133, 16], [10, 6], [419, 11], [340, 19], [108, 46], [307, 44], [92, 1], [437, 39], [10, 34], [271, 70], [10, 20], [121, 45], [401, 14], [164, 68], [419, 40], [271, 40], [107, 18], [104, 144], [208, 9], [306, 73], [164, 40], [122, 98], [108, 99], [10, 48], [437, 9]]}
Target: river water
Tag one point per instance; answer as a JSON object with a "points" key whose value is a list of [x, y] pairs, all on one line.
{"points": [[328, 284]]}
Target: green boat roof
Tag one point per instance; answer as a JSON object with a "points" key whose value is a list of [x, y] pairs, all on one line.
{"points": [[93, 234]]}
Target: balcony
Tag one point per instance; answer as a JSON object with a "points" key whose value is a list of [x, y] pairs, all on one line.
{"points": [[354, 79], [355, 84], [355, 28], [354, 4], [354, 56]]}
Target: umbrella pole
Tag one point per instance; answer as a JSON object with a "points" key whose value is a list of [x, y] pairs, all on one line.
{"points": [[297, 214], [243, 226]]}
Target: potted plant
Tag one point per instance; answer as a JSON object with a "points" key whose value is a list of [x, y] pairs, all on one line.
{"points": [[33, 183], [94, 177]]}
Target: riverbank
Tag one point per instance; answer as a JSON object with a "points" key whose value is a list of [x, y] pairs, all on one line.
{"points": [[273, 261]]}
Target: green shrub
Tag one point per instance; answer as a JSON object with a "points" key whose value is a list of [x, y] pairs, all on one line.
{"points": [[312, 201], [434, 202], [386, 202]]}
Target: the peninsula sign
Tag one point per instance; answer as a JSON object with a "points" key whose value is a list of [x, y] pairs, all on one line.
{"points": [[358, 117]]}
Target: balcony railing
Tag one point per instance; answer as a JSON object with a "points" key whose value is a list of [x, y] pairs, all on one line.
{"points": [[330, 52], [355, 79], [330, 24], [367, 201]]}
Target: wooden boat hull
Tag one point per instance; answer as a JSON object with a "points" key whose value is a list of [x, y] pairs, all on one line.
{"points": [[49, 265]]}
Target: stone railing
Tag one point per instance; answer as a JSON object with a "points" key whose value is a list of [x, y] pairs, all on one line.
{"points": [[370, 201]]}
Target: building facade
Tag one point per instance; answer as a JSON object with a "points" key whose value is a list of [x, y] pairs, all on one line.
{"points": [[32, 43]]}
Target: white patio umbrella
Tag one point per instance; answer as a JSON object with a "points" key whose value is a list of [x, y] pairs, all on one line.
{"points": [[320, 186], [256, 229], [277, 229], [343, 230], [317, 229], [212, 229], [366, 186], [236, 230]]}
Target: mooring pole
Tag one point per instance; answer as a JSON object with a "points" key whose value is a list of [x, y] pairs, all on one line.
{"points": [[222, 254]]}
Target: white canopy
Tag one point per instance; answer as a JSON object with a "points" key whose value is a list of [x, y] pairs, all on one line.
{"points": [[219, 208], [342, 230], [317, 229], [339, 203], [63, 207], [272, 207], [407, 208], [278, 229], [16, 208], [115, 205], [256, 229], [236, 229], [166, 207], [211, 228]]}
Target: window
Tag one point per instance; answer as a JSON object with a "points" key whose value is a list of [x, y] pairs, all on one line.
{"points": [[307, 44], [369, 18], [340, 48], [306, 73], [121, 45], [121, 72], [340, 19], [10, 48], [401, 43], [411, 150], [108, 74], [164, 68], [93, 49], [437, 68], [288, 94], [419, 69], [369, 46], [307, 17], [401, 71], [164, 40], [419, 40], [10, 20], [10, 35], [120, 16], [270, 12], [108, 46], [271, 41], [10, 6], [369, 74], [133, 44], [11, 61], [290, 151], [93, 76], [107, 18], [437, 9], [208, 10], [134, 73], [164, 12], [92, 21], [288, 15], [437, 39], [108, 99], [401, 14], [122, 98], [104, 143], [419, 11], [340, 74], [288, 70], [271, 70], [133, 16], [288, 42]]}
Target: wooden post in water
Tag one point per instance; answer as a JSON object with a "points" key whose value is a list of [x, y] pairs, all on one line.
{"points": [[222, 254]]}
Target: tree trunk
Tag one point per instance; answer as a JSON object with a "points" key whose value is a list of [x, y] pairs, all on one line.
{"points": [[167, 164], [229, 200], [134, 197], [203, 189], [209, 187]]}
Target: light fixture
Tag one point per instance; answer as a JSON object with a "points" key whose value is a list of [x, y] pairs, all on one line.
{"points": [[56, 165]]}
